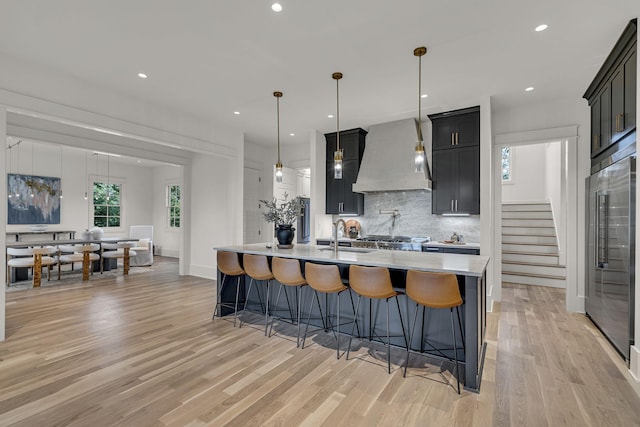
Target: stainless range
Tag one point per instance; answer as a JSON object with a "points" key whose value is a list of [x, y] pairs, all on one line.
{"points": [[395, 243]]}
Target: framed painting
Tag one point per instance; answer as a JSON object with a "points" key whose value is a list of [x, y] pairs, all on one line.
{"points": [[33, 199]]}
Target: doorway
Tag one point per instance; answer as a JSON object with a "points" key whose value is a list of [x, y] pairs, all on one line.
{"points": [[567, 236]]}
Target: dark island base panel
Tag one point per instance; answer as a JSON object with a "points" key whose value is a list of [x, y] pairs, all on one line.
{"points": [[437, 323]]}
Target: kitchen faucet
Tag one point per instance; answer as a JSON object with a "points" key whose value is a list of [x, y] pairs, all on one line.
{"points": [[394, 214], [335, 234]]}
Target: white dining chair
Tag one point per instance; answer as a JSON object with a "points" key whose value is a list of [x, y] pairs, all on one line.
{"points": [[115, 251], [70, 254]]}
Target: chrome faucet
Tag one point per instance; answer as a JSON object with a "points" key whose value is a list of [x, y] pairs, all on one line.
{"points": [[335, 234]]}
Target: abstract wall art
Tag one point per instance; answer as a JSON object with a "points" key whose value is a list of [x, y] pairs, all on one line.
{"points": [[33, 199]]}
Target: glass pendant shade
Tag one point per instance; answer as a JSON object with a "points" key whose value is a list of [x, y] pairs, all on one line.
{"points": [[337, 164], [419, 158], [279, 172]]}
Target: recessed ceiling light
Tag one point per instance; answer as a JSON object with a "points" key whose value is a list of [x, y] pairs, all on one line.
{"points": [[292, 134], [529, 89], [424, 95], [236, 112], [139, 161], [276, 7], [330, 116], [142, 75], [541, 27]]}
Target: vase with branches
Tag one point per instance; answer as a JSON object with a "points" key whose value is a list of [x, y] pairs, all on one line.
{"points": [[283, 215]]}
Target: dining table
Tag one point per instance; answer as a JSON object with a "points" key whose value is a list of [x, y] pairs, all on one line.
{"points": [[86, 262]]}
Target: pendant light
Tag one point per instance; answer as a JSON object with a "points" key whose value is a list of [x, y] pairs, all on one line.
{"points": [[108, 178], [32, 147], [10, 159], [86, 176], [419, 157], [278, 95], [61, 172], [338, 154], [18, 166]]}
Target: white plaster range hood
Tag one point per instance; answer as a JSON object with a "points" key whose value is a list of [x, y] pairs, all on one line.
{"points": [[387, 163]]}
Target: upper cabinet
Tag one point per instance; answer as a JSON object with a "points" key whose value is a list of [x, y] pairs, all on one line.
{"points": [[340, 199], [459, 128], [456, 162], [612, 98]]}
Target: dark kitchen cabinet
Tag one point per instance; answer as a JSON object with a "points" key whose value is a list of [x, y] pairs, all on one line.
{"points": [[340, 199], [612, 99], [456, 181], [456, 162], [460, 128]]}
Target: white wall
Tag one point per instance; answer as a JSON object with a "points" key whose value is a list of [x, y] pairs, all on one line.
{"points": [[165, 239], [216, 210], [528, 175]]}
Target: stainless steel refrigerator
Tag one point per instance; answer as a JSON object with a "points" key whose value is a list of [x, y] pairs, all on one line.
{"points": [[610, 260]]}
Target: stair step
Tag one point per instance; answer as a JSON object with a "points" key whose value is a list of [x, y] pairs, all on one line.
{"points": [[510, 207], [529, 240], [527, 230], [528, 222], [521, 279], [528, 248], [534, 269], [527, 215], [545, 259], [541, 282]]}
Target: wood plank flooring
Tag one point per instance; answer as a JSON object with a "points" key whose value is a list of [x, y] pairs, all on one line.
{"points": [[142, 350]]}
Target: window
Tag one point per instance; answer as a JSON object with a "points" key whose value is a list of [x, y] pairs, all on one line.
{"points": [[106, 204], [506, 163], [173, 206]]}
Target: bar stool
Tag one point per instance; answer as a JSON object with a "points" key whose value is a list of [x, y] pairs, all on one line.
{"points": [[257, 268], [287, 272], [435, 290], [229, 265], [375, 283], [326, 279]]}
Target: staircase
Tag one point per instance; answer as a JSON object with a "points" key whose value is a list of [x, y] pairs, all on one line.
{"points": [[530, 246]]}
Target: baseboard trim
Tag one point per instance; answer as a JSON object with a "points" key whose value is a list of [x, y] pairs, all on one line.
{"points": [[634, 369], [203, 271], [171, 253]]}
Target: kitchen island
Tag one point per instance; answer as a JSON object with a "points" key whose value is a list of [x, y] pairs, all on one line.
{"points": [[470, 269]]}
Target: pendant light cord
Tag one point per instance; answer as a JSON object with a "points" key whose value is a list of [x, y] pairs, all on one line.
{"points": [[419, 99], [338, 114], [278, 120]]}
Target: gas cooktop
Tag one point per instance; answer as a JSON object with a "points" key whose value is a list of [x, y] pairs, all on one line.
{"points": [[398, 243]]}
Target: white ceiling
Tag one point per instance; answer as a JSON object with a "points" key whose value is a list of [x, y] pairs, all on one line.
{"points": [[210, 58]]}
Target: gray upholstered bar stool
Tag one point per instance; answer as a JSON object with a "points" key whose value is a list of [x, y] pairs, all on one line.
{"points": [[375, 283], [326, 279], [435, 290], [229, 265], [257, 268], [287, 271]]}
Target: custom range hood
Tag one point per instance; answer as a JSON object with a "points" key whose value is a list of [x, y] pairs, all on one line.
{"points": [[388, 164]]}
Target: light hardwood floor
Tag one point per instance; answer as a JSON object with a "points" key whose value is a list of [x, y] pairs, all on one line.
{"points": [[143, 351]]}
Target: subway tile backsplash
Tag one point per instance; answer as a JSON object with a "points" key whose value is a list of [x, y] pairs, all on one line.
{"points": [[415, 217]]}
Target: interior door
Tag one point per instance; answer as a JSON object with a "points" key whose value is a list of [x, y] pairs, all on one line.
{"points": [[252, 219]]}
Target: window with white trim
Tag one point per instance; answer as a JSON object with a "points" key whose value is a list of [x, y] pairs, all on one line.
{"points": [[107, 204], [173, 206], [506, 164]]}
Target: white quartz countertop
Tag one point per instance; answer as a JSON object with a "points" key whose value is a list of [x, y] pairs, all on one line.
{"points": [[436, 244], [466, 265]]}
